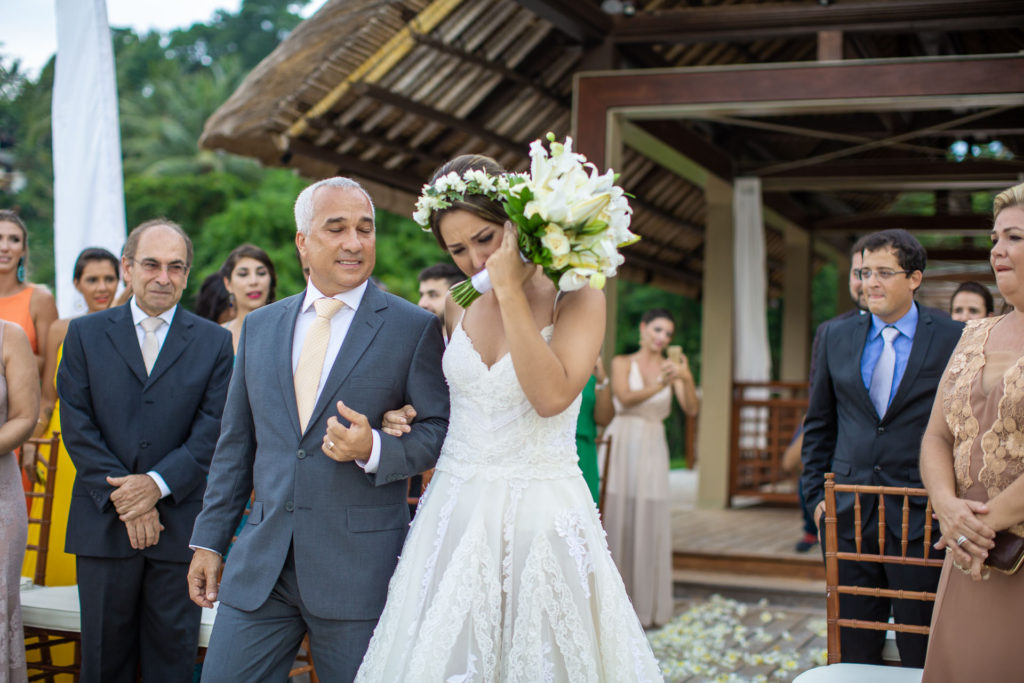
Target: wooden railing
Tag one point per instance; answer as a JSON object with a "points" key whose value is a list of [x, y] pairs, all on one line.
{"points": [[765, 418]]}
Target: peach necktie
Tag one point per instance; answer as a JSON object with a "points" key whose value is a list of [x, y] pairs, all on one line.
{"points": [[311, 360]]}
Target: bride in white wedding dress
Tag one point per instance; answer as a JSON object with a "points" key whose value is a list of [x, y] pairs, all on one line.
{"points": [[505, 574]]}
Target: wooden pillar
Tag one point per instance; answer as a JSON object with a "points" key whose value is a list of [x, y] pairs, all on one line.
{"points": [[612, 159], [796, 306], [843, 301], [714, 427], [830, 46]]}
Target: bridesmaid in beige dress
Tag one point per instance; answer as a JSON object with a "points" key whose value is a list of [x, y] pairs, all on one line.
{"points": [[972, 456], [636, 510], [19, 408]]}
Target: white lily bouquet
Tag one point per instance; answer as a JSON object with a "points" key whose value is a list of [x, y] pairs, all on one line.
{"points": [[572, 220]]}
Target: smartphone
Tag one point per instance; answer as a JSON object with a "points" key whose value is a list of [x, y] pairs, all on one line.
{"points": [[675, 354]]}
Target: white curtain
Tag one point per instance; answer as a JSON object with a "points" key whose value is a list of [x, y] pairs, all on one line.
{"points": [[88, 184], [752, 360]]}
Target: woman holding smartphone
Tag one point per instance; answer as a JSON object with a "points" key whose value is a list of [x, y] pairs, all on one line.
{"points": [[636, 512]]}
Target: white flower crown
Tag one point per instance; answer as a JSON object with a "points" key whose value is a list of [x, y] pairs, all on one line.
{"points": [[451, 188]]}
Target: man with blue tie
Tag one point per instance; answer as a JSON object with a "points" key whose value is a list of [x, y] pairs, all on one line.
{"points": [[873, 390]]}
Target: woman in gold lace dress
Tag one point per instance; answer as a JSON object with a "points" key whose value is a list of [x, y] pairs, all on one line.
{"points": [[972, 456]]}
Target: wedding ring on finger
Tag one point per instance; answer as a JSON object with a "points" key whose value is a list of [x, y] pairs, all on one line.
{"points": [[330, 447], [961, 539]]}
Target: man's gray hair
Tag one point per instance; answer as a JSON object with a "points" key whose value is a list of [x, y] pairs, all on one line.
{"points": [[304, 204]]}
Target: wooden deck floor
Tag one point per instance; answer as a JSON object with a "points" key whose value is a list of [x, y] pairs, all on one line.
{"points": [[754, 539]]}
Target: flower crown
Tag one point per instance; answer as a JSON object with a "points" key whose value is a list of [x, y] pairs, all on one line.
{"points": [[451, 188]]}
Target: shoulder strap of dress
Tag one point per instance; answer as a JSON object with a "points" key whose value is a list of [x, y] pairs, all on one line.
{"points": [[554, 306]]}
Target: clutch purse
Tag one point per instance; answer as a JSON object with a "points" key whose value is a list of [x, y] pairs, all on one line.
{"points": [[1008, 555]]}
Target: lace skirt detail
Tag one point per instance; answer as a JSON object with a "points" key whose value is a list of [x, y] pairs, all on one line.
{"points": [[507, 581]]}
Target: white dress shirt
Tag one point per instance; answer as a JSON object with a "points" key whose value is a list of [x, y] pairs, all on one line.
{"points": [[138, 315], [340, 323]]}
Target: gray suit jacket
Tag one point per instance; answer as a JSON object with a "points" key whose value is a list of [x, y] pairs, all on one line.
{"points": [[347, 527]]}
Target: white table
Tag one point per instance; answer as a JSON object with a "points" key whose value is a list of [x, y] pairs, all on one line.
{"points": [[56, 608]]}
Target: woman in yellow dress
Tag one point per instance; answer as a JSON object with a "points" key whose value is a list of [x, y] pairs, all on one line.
{"points": [[95, 277]]}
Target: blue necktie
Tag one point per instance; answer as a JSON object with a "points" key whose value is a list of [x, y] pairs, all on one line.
{"points": [[885, 368]]}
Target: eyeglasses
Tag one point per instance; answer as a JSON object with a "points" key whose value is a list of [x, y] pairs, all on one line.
{"points": [[153, 267], [882, 273]]}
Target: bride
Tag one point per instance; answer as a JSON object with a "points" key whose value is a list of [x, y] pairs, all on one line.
{"points": [[505, 574]]}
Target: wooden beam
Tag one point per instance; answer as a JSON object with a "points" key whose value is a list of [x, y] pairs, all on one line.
{"points": [[749, 22], [694, 147], [663, 269], [896, 175], [445, 119], [672, 92], [584, 22], [396, 147], [887, 221], [355, 166], [964, 254], [494, 67]]}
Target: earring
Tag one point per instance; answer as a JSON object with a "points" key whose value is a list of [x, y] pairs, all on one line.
{"points": [[21, 269]]}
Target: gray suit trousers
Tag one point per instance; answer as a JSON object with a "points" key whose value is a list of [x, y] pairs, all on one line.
{"points": [[261, 645]]}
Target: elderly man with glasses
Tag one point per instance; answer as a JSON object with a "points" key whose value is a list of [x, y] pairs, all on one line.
{"points": [[142, 388], [873, 388]]}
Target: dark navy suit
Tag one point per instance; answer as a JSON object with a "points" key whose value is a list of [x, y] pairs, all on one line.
{"points": [[844, 434], [115, 421]]}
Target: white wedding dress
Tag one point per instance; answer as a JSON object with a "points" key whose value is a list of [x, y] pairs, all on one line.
{"points": [[506, 575]]}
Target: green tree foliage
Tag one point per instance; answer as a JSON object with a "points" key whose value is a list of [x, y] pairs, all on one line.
{"points": [[168, 85]]}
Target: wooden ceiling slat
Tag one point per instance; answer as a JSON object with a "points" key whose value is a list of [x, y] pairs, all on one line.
{"points": [[436, 116], [355, 166], [584, 22], [744, 22]]}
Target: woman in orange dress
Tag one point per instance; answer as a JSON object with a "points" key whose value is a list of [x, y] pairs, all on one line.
{"points": [[29, 306], [972, 456]]}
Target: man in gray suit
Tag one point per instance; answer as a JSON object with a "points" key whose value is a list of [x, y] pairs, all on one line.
{"points": [[329, 515]]}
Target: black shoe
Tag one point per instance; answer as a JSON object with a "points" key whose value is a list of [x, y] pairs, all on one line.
{"points": [[806, 543]]}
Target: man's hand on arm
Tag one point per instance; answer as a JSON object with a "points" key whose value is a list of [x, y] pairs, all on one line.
{"points": [[133, 495], [203, 577], [398, 422], [345, 444], [144, 530]]}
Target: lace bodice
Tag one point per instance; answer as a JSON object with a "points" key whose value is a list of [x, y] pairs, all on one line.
{"points": [[994, 420], [493, 430]]}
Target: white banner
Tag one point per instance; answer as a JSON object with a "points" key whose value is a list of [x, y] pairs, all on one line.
{"points": [[88, 184]]}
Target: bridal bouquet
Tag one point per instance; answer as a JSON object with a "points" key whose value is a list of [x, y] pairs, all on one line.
{"points": [[571, 220]]}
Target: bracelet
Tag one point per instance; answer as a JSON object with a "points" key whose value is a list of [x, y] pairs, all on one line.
{"points": [[602, 385]]}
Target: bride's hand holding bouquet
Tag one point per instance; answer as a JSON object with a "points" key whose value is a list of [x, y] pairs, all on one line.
{"points": [[505, 267]]}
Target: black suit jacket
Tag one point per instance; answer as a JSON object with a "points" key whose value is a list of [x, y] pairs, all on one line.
{"points": [[842, 431], [116, 420]]}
